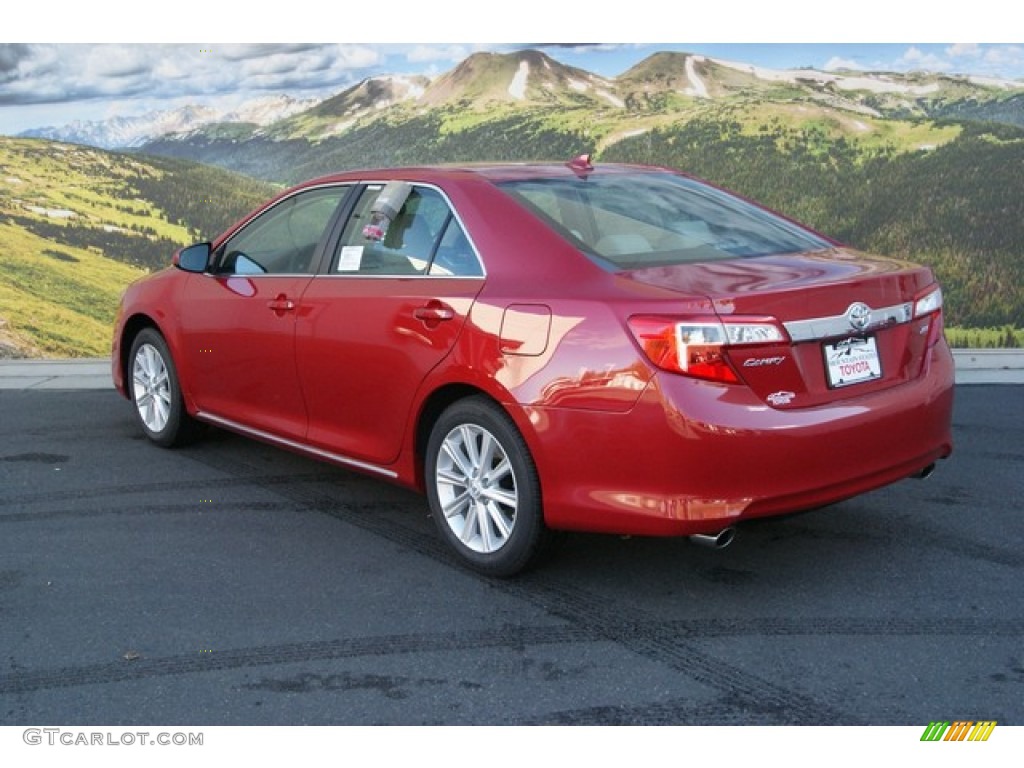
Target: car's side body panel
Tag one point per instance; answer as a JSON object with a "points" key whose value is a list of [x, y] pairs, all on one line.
{"points": [[237, 341], [362, 353]]}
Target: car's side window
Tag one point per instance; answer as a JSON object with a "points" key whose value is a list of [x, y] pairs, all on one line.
{"points": [[454, 255], [284, 239], [423, 238]]}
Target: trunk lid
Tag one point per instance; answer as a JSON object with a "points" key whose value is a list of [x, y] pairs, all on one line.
{"points": [[848, 317]]}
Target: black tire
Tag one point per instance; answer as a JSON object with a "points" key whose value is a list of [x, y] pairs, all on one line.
{"points": [[490, 534], [155, 390]]}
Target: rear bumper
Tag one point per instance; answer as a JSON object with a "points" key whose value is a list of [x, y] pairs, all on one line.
{"points": [[693, 457]]}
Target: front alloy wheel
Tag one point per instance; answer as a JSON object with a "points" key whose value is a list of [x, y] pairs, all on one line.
{"points": [[483, 488], [156, 392], [151, 388]]}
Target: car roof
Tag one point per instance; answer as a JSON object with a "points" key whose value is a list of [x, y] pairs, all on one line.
{"points": [[494, 172]]}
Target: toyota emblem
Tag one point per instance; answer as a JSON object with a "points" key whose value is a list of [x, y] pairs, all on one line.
{"points": [[859, 315]]}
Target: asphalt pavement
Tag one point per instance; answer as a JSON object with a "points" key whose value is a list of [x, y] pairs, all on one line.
{"points": [[233, 583]]}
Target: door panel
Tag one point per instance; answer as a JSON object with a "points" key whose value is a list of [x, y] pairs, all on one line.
{"points": [[240, 338], [363, 348], [238, 328], [400, 287]]}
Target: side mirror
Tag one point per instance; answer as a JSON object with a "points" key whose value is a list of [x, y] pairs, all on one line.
{"points": [[195, 258]]}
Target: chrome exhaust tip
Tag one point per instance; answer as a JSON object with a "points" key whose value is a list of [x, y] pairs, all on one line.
{"points": [[926, 472], [719, 540]]}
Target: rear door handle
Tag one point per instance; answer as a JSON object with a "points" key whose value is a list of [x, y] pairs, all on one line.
{"points": [[434, 312]]}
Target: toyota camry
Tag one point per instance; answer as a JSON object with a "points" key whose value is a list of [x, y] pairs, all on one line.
{"points": [[549, 347]]}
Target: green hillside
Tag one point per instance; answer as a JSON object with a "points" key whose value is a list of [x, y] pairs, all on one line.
{"points": [[958, 207], [78, 224]]}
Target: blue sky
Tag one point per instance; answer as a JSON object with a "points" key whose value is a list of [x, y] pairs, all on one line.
{"points": [[53, 83]]}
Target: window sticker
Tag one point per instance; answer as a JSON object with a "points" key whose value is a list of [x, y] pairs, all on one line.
{"points": [[351, 258]]}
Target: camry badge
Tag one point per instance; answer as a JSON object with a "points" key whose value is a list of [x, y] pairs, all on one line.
{"points": [[859, 315], [781, 398]]}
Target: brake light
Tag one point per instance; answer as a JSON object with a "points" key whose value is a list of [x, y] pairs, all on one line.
{"points": [[695, 346], [930, 303]]}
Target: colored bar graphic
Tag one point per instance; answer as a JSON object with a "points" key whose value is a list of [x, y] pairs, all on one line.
{"points": [[960, 730], [982, 730], [934, 731]]}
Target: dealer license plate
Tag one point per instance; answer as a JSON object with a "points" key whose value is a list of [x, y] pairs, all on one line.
{"points": [[852, 361]]}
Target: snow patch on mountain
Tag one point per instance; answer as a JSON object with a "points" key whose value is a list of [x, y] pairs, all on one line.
{"points": [[52, 213], [697, 87], [413, 90], [874, 83], [517, 88], [996, 82], [615, 100]]}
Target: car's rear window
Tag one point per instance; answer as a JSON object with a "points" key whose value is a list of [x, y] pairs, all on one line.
{"points": [[648, 219]]}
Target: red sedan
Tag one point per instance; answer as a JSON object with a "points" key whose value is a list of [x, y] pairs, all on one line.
{"points": [[545, 348]]}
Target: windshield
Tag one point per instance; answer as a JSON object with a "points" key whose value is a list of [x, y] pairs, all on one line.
{"points": [[650, 219]]}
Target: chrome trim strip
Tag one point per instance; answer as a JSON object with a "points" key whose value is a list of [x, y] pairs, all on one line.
{"points": [[354, 276], [269, 207], [816, 328], [234, 425]]}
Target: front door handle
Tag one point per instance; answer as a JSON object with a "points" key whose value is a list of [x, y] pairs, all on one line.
{"points": [[281, 304]]}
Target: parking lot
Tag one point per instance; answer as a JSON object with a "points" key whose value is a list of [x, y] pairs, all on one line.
{"points": [[234, 583]]}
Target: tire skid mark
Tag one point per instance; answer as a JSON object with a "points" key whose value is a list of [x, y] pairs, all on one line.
{"points": [[909, 529], [352, 513], [649, 638], [723, 711], [198, 484], [595, 617], [189, 508], [1001, 456], [36, 458], [668, 643], [521, 637], [848, 626], [381, 645]]}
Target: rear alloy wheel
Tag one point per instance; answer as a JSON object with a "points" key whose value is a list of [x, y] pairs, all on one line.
{"points": [[483, 489], [156, 393]]}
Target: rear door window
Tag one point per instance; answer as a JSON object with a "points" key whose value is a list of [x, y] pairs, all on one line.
{"points": [[424, 238]]}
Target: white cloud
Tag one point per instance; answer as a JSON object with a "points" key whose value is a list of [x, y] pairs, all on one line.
{"points": [[915, 58], [425, 54], [964, 50], [838, 62], [1003, 61], [57, 73], [1006, 55]]}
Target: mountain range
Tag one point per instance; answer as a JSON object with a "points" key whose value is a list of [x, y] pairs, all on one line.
{"points": [[133, 132], [663, 82], [924, 166]]}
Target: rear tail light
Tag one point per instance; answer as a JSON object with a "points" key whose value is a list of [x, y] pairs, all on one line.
{"points": [[695, 346], [930, 303]]}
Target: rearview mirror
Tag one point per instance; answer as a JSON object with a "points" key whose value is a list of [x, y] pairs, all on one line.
{"points": [[195, 258]]}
